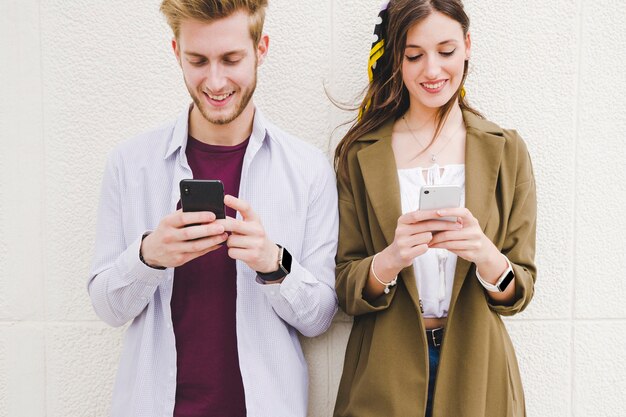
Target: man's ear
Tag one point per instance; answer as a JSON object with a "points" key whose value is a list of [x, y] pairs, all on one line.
{"points": [[262, 47], [176, 50]]}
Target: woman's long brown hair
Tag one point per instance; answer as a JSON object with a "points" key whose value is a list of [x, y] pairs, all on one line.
{"points": [[386, 96]]}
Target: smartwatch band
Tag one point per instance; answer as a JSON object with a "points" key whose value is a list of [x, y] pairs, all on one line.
{"points": [[284, 266], [503, 281]]}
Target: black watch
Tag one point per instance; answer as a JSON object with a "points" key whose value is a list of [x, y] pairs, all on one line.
{"points": [[284, 266]]}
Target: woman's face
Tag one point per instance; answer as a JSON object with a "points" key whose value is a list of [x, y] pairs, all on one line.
{"points": [[434, 56]]}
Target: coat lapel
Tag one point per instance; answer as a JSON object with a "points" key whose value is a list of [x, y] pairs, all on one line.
{"points": [[483, 154], [380, 176], [378, 166]]}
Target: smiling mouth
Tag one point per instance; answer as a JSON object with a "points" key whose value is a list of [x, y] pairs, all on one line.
{"points": [[220, 97], [434, 86]]}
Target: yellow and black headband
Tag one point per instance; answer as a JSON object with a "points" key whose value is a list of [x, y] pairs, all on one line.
{"points": [[378, 49], [378, 43]]}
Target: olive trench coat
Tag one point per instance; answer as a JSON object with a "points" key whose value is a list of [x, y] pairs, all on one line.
{"points": [[385, 371]]}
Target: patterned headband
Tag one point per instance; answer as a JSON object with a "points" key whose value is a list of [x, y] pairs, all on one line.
{"points": [[378, 40], [378, 49]]}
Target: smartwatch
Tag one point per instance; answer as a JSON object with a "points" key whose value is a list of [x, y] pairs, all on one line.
{"points": [[284, 266], [502, 283]]}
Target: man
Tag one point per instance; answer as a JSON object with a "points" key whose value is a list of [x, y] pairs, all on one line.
{"points": [[215, 305]]}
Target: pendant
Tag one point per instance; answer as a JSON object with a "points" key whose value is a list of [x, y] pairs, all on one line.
{"points": [[433, 157]]}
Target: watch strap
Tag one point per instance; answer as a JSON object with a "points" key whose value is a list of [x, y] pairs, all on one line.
{"points": [[161, 268], [284, 267], [503, 281]]}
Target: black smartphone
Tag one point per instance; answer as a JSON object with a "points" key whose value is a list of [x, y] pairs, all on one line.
{"points": [[203, 195]]}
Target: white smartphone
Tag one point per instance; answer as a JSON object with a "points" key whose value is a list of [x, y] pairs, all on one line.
{"points": [[435, 197]]}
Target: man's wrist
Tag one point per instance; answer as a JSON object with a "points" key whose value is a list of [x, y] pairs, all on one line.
{"points": [[282, 268], [141, 257], [272, 264]]}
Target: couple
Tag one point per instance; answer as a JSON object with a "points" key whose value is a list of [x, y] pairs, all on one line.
{"points": [[215, 308]]}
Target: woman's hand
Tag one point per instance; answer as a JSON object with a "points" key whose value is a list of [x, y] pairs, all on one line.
{"points": [[413, 236], [468, 240], [470, 243]]}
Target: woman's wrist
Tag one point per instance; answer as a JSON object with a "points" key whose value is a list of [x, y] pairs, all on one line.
{"points": [[492, 267], [386, 269]]}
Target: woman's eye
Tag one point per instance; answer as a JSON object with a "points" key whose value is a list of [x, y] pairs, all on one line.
{"points": [[448, 53], [413, 57]]}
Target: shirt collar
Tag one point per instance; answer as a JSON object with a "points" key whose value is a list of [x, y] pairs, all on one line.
{"points": [[260, 131]]}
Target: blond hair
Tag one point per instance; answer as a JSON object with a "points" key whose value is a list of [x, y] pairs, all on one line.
{"points": [[176, 11]]}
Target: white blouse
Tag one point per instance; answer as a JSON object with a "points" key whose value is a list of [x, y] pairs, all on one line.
{"points": [[434, 270]]}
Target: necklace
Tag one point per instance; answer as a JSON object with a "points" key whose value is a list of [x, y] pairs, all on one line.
{"points": [[433, 155]]}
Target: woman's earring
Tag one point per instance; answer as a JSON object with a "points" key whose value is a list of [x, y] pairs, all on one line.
{"points": [[463, 92]]}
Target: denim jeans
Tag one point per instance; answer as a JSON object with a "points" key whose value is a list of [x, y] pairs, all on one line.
{"points": [[433, 355]]}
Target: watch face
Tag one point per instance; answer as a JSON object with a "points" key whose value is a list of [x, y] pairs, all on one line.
{"points": [[286, 261], [506, 281]]}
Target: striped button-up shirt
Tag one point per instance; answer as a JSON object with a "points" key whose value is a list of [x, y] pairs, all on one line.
{"points": [[291, 186]]}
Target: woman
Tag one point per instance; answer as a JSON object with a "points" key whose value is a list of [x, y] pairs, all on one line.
{"points": [[427, 295]]}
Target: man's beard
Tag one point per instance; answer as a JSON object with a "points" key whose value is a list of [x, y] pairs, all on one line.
{"points": [[246, 95]]}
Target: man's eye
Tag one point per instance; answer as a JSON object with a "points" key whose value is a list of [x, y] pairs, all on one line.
{"points": [[232, 61], [197, 63]]}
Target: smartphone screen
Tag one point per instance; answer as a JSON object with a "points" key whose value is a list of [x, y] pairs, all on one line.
{"points": [[435, 197], [203, 195]]}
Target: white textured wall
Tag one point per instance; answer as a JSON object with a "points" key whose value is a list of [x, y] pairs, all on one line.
{"points": [[78, 76]]}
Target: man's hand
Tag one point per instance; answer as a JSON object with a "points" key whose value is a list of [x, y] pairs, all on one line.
{"points": [[172, 244], [248, 241]]}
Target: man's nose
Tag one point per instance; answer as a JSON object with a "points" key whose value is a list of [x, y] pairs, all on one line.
{"points": [[215, 80]]}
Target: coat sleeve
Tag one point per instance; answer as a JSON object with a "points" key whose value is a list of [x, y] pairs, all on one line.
{"points": [[354, 256], [519, 244]]}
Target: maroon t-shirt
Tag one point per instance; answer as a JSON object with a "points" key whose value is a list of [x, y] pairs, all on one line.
{"points": [[208, 382]]}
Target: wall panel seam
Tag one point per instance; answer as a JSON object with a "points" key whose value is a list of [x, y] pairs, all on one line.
{"points": [[576, 136], [42, 196]]}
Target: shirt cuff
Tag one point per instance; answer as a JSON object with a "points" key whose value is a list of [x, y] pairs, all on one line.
{"points": [[136, 271], [293, 283]]}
